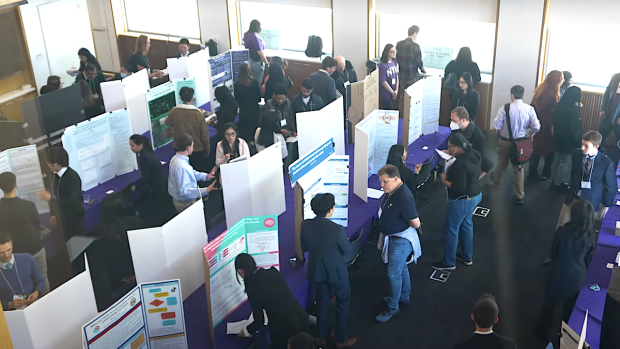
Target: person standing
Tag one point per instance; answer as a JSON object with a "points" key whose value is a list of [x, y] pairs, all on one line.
{"points": [[571, 252], [397, 156], [388, 78], [281, 105], [306, 100], [568, 80], [183, 48], [409, 57], [247, 95], [398, 221], [85, 58], [267, 291], [20, 219], [324, 85], [227, 111], [464, 194], [464, 64], [522, 118], [344, 75], [610, 110], [593, 178], [186, 118], [253, 42], [460, 123], [328, 249], [92, 106], [276, 77], [270, 132], [545, 100], [66, 199], [140, 59], [183, 179], [485, 316], [466, 96], [566, 135], [93, 78]]}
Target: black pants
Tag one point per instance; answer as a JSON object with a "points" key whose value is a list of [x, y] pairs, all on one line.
{"points": [[548, 310], [386, 105], [605, 127], [343, 298], [199, 161], [535, 160]]}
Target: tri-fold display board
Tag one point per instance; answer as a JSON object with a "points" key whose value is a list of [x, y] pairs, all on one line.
{"points": [[317, 126], [421, 109], [362, 99], [99, 148], [225, 69], [24, 163]]}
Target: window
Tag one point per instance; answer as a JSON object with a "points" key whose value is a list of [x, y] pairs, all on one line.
{"points": [[162, 17], [286, 27], [579, 40], [440, 35]]}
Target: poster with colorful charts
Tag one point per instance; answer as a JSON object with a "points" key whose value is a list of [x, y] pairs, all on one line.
{"points": [[148, 317]]}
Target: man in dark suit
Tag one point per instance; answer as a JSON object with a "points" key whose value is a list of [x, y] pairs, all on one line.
{"points": [[183, 48], [328, 247], [485, 316], [93, 79], [593, 178], [324, 85], [610, 110], [460, 122]]}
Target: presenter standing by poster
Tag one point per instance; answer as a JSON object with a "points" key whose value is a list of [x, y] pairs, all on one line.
{"points": [[255, 45]]}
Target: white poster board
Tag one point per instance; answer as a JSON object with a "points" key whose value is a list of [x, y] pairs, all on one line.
{"points": [[99, 148], [416, 94], [363, 99], [198, 68], [149, 316], [54, 321], [431, 104], [254, 187], [135, 87], [361, 170], [171, 251], [113, 95], [24, 163], [316, 126], [381, 126], [177, 68]]}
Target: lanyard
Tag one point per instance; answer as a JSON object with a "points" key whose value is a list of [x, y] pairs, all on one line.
{"points": [[146, 60], [18, 279]]}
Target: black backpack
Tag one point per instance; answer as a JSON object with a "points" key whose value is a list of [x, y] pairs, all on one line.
{"points": [[315, 46]]}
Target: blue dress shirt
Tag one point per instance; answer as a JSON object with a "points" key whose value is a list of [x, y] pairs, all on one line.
{"points": [[183, 180]]}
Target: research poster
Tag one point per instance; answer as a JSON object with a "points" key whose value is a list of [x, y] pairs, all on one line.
{"points": [[257, 236], [239, 57], [436, 57], [150, 316], [381, 126], [221, 73], [432, 100], [271, 38], [99, 149], [24, 163], [416, 94], [160, 101], [179, 84]]}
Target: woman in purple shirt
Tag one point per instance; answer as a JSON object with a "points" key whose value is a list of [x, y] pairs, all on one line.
{"points": [[255, 45], [388, 77]]}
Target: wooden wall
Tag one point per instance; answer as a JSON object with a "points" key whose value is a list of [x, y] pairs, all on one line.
{"points": [[484, 116], [159, 51]]}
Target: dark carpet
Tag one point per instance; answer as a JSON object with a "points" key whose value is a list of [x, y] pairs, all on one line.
{"points": [[509, 247]]}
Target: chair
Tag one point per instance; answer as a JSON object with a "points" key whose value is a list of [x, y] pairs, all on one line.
{"points": [[424, 174]]}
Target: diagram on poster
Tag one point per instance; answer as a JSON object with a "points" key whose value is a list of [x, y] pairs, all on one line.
{"points": [[160, 101], [257, 236], [381, 126], [150, 316], [98, 149], [24, 163]]}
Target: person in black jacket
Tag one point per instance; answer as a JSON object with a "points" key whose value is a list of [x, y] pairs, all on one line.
{"points": [[306, 100], [247, 95], [328, 249], [397, 156], [464, 64], [610, 111], [85, 58], [324, 85], [93, 78], [485, 316], [466, 96], [462, 179], [343, 76], [566, 134], [571, 252], [66, 199], [227, 112], [276, 77], [155, 205], [267, 290], [460, 123]]}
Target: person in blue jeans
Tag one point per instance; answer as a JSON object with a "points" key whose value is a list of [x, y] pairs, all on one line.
{"points": [[398, 219], [464, 194]]}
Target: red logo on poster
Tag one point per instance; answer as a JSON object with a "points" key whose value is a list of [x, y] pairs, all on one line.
{"points": [[270, 222]]}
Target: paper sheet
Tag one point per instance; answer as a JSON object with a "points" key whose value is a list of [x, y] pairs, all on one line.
{"points": [[236, 327], [375, 193], [113, 95]]}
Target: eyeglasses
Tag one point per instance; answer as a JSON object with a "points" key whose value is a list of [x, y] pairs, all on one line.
{"points": [[230, 134], [462, 82], [392, 51]]}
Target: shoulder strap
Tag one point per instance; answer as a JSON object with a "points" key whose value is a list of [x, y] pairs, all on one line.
{"points": [[507, 109]]}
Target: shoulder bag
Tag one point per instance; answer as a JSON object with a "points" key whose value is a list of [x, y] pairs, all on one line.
{"points": [[521, 149]]}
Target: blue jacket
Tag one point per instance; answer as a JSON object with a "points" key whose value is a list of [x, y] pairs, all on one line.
{"points": [[328, 249], [24, 270], [603, 182]]}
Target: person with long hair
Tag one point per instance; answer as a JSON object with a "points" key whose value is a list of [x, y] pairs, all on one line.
{"points": [[462, 180], [247, 95], [464, 64], [571, 252], [545, 100], [388, 78], [268, 291], [398, 157], [276, 77], [466, 96], [253, 42], [269, 132], [155, 204], [227, 112], [231, 147], [87, 57], [274, 59], [140, 58], [53, 83], [566, 135], [92, 106]]}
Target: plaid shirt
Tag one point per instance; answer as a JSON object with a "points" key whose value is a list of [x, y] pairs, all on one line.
{"points": [[409, 57]]}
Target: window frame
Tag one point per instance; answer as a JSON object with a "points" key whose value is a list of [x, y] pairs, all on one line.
{"points": [[152, 35]]}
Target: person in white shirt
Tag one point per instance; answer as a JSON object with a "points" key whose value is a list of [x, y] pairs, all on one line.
{"points": [[183, 179], [524, 123], [183, 48], [269, 133], [231, 147]]}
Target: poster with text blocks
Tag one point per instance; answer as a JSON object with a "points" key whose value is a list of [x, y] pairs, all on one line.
{"points": [[24, 163], [381, 126]]}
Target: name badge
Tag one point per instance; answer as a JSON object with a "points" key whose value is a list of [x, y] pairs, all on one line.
{"points": [[586, 185], [618, 90], [283, 122], [18, 296], [346, 83], [394, 82], [380, 211]]}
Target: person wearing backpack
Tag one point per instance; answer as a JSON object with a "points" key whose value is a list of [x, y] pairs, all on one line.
{"points": [[515, 144]]}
